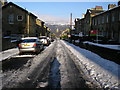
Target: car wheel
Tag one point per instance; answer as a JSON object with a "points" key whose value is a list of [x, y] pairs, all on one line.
{"points": [[36, 53], [20, 53]]}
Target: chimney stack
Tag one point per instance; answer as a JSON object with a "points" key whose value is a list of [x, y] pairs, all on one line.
{"points": [[98, 8], [118, 2], [71, 20], [111, 6], [4, 2]]}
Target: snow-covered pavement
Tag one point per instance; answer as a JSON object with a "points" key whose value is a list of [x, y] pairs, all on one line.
{"points": [[105, 72], [115, 47], [8, 53]]}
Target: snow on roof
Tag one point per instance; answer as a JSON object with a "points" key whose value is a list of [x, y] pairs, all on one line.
{"points": [[14, 40], [7, 37], [29, 38]]}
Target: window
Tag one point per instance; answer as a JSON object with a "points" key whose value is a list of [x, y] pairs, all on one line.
{"points": [[8, 33], [113, 17], [98, 20], [11, 19], [19, 18], [112, 35], [29, 40], [107, 19], [88, 21], [93, 22], [102, 19], [119, 16]]}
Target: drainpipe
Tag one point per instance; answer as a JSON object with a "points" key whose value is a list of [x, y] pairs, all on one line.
{"points": [[28, 24]]}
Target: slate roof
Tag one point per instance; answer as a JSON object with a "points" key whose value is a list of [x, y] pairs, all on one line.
{"points": [[10, 3]]}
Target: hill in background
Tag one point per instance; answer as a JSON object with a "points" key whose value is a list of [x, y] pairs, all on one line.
{"points": [[57, 29]]}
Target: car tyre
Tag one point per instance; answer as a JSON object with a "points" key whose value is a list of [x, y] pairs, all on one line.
{"points": [[20, 53]]}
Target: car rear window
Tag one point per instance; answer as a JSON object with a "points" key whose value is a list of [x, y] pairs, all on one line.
{"points": [[42, 38], [29, 40]]}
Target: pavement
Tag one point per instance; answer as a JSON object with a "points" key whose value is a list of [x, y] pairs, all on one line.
{"points": [[8, 53]]}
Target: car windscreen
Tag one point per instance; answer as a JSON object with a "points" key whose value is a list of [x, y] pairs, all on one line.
{"points": [[29, 40]]}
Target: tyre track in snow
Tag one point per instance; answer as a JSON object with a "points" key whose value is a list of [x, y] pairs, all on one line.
{"points": [[70, 75]]}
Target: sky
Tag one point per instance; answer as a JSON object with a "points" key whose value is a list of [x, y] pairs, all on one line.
{"points": [[59, 12]]}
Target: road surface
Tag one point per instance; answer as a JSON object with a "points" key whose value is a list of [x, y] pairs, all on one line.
{"points": [[54, 67]]}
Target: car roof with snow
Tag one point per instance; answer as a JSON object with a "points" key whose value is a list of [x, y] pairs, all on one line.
{"points": [[29, 38]]}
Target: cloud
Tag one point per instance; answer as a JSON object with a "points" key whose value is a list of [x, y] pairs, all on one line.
{"points": [[52, 19]]}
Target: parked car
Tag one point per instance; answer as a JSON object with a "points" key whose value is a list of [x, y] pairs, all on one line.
{"points": [[49, 40], [52, 40], [44, 40], [30, 44]]}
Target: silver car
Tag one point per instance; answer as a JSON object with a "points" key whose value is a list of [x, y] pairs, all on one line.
{"points": [[30, 44], [44, 40]]}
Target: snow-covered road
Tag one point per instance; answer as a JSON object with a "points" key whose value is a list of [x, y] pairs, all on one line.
{"points": [[71, 77], [73, 65]]}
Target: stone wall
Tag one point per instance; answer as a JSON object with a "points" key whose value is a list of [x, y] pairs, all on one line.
{"points": [[7, 44]]}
